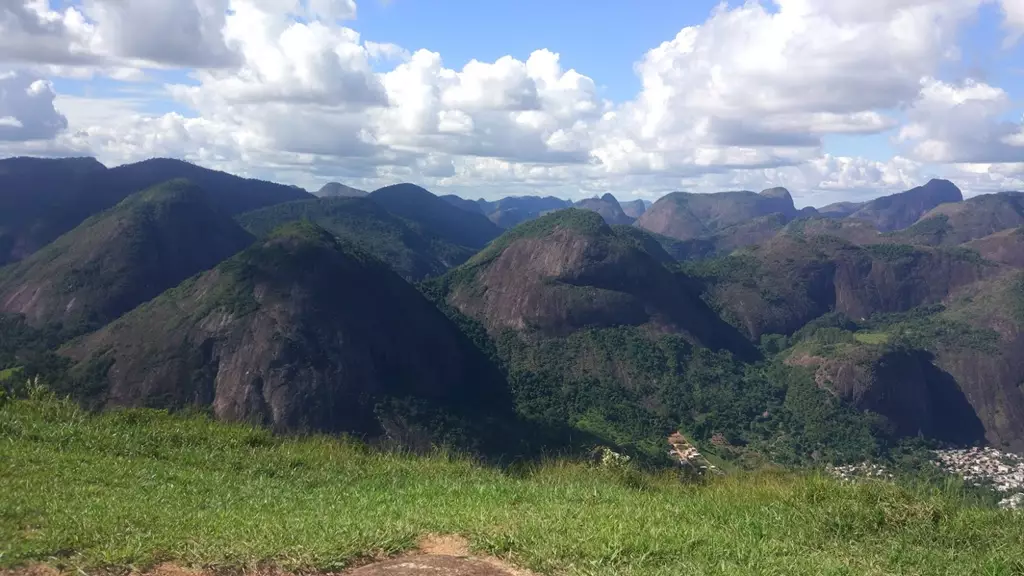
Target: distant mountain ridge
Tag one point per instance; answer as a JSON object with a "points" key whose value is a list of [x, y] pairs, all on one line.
{"points": [[40, 199], [436, 216], [336, 189], [608, 207], [685, 216], [898, 211]]}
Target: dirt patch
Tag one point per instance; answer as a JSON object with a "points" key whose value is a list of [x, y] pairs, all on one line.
{"points": [[444, 545], [423, 565], [436, 555]]}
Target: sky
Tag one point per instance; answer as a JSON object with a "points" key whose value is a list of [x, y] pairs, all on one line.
{"points": [[833, 99]]}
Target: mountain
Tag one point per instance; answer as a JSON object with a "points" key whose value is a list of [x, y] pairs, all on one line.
{"points": [[955, 223], [1005, 247], [608, 207], [634, 208], [299, 332], [336, 190], [987, 360], [686, 216], [122, 257], [42, 199], [787, 282], [840, 209], [950, 372], [460, 202], [436, 216], [403, 245], [568, 271], [513, 210], [898, 211]]}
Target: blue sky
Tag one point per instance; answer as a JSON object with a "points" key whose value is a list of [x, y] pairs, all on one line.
{"points": [[747, 128]]}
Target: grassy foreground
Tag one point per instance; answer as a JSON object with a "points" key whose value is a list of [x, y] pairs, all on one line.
{"points": [[129, 489]]}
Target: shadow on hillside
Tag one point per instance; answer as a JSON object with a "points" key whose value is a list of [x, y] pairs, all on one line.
{"points": [[954, 418]]}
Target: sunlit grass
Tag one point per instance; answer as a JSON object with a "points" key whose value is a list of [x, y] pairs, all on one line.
{"points": [[128, 489]]}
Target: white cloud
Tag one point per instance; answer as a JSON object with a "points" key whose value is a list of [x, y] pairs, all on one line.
{"points": [[26, 109], [743, 100], [961, 123]]}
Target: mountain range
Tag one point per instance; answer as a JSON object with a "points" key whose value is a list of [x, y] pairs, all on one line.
{"points": [[764, 332]]}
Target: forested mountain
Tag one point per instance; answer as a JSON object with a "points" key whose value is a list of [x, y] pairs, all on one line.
{"points": [[404, 245], [120, 258], [762, 332], [41, 199], [298, 332], [436, 216]]}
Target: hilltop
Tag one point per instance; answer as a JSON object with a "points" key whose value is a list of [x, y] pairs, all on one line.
{"points": [[42, 199], [958, 222], [608, 207], [436, 216], [412, 252], [685, 216], [898, 211], [569, 270], [339, 190], [302, 333], [120, 258]]}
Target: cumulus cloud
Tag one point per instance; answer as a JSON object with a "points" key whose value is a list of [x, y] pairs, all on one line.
{"points": [[26, 109], [742, 100], [960, 123], [754, 87]]}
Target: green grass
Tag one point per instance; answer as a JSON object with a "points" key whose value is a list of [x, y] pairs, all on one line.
{"points": [[131, 488], [872, 337]]}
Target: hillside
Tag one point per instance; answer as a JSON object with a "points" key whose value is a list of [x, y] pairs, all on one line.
{"points": [[946, 371], [188, 493], [42, 199], [121, 258], [780, 286], [339, 190], [958, 222], [898, 211], [403, 245], [851, 230], [436, 216], [988, 362], [608, 207], [298, 332], [840, 209], [463, 203], [569, 270], [1006, 247], [686, 216], [597, 334]]}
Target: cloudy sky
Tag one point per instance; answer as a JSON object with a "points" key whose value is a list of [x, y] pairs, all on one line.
{"points": [[834, 99]]}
